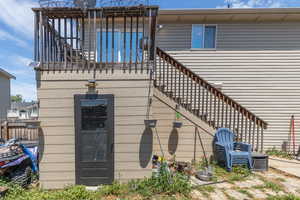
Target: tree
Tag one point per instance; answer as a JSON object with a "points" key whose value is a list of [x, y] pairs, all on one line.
{"points": [[16, 98]]}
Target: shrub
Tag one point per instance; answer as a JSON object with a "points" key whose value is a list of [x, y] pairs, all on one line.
{"points": [[164, 183], [115, 189], [73, 192], [274, 152]]}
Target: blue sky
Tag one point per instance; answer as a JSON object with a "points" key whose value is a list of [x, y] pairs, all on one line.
{"points": [[16, 31]]}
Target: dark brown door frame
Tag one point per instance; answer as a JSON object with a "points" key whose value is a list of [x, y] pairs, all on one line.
{"points": [[104, 170]]}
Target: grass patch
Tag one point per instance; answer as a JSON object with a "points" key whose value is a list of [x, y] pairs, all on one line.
{"points": [[206, 189], [280, 179], [273, 186], [276, 187], [164, 186], [69, 193], [115, 189], [259, 187], [228, 196], [277, 153], [284, 197], [245, 192], [238, 173]]}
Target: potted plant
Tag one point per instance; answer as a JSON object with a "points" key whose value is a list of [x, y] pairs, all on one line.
{"points": [[177, 123]]}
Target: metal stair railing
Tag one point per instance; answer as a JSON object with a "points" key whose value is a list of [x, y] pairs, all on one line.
{"points": [[206, 101]]}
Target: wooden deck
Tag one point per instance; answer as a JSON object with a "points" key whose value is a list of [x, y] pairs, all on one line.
{"points": [[106, 37]]}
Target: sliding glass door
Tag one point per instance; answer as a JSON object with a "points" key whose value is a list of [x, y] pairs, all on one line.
{"points": [[119, 47]]}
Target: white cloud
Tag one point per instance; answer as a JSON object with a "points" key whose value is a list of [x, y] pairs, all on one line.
{"points": [[27, 90], [253, 3], [24, 83], [18, 15], [18, 66], [22, 61], [7, 36]]}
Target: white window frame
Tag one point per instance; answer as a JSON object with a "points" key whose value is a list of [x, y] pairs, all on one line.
{"points": [[204, 25]]}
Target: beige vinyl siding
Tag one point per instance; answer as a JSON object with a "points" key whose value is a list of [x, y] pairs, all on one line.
{"points": [[134, 145], [179, 142], [265, 82], [259, 36], [175, 36], [247, 36], [55, 93]]}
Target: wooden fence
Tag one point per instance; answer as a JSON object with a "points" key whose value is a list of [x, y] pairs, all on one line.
{"points": [[24, 130]]}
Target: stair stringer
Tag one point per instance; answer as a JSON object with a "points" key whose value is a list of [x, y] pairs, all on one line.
{"points": [[181, 141]]}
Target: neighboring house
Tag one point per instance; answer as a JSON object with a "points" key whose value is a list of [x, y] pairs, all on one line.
{"points": [[4, 93], [23, 111], [234, 68]]}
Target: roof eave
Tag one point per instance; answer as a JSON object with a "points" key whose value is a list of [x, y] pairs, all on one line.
{"points": [[6, 74]]}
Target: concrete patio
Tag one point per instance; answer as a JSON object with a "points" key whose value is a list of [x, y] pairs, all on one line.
{"points": [[290, 167]]}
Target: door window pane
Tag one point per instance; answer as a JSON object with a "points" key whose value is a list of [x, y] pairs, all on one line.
{"points": [[94, 146], [210, 37], [93, 114], [94, 130], [197, 36]]}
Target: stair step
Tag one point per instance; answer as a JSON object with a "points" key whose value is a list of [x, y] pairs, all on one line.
{"points": [[177, 99], [196, 111], [169, 93], [212, 123], [161, 87], [187, 105], [204, 116]]}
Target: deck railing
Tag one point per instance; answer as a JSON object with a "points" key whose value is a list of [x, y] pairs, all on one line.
{"points": [[207, 102], [97, 38]]}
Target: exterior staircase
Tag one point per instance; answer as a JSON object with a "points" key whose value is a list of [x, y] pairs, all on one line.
{"points": [[206, 102], [65, 46]]}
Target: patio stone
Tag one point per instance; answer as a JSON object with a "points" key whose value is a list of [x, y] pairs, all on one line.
{"points": [[218, 195], [257, 194], [249, 183], [196, 195], [291, 187], [236, 195], [224, 185], [270, 192], [285, 165]]}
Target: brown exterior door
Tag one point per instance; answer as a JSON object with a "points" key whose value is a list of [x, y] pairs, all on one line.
{"points": [[94, 124]]}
